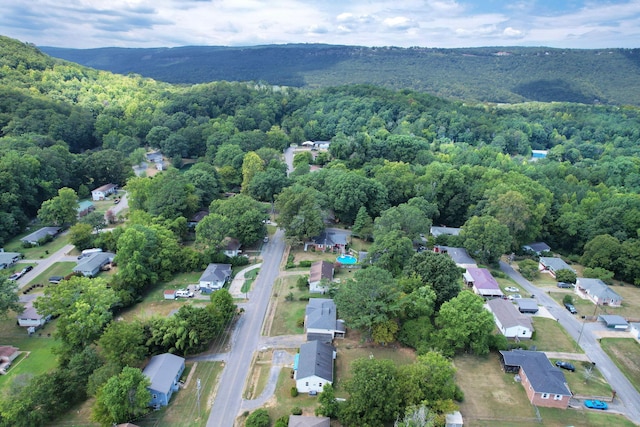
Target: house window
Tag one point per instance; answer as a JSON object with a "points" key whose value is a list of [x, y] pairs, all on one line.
{"points": [[545, 395], [307, 384], [320, 385], [557, 397], [155, 396]]}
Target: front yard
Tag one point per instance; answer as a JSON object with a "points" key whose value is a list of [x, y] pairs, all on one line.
{"points": [[550, 336], [625, 353]]}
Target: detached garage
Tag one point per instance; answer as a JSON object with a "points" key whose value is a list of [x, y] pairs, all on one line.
{"points": [[613, 321]]}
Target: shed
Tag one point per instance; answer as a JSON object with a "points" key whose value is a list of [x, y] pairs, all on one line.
{"points": [[170, 294], [613, 321], [527, 305], [454, 419], [164, 372]]}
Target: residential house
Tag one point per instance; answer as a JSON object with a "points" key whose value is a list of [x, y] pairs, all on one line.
{"points": [[170, 294], [598, 292], [510, 322], [7, 259], [196, 218], [450, 231], [459, 255], [231, 247], [307, 144], [527, 305], [7, 355], [454, 419], [314, 367], [544, 384], [635, 330], [164, 372], [482, 282], [320, 274], [329, 239], [321, 145], [85, 207], [308, 421], [321, 322], [214, 277], [103, 191], [552, 265], [613, 321], [40, 235], [30, 317], [536, 248], [92, 264]]}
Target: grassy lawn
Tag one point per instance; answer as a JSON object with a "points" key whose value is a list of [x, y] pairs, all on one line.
{"points": [[56, 269], [259, 375], [287, 313], [250, 277], [40, 358], [550, 336], [37, 252], [285, 403], [493, 398], [584, 384], [625, 353]]}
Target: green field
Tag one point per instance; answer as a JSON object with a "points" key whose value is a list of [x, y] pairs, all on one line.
{"points": [[625, 353]]}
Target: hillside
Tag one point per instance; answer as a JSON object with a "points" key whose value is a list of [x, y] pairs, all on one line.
{"points": [[492, 74]]}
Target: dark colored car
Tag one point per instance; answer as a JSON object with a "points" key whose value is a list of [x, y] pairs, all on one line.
{"points": [[56, 279], [565, 365], [596, 404], [27, 269], [570, 307], [565, 285]]}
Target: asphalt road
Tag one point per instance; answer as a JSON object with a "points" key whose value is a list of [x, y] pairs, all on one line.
{"points": [[582, 333], [246, 337], [43, 264]]}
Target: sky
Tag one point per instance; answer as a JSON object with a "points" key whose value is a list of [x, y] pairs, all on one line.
{"points": [[427, 23]]}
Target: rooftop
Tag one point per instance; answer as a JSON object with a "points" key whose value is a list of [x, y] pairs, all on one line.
{"points": [[162, 370], [321, 313], [542, 375], [316, 358]]}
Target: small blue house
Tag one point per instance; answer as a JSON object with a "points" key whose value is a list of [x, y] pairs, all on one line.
{"points": [[164, 371]]}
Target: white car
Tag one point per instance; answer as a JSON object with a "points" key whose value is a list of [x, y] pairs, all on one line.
{"points": [[184, 293], [514, 297], [511, 289]]}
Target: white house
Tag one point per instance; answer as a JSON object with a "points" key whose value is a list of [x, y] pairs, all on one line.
{"points": [[510, 322], [214, 277], [103, 192], [321, 322], [231, 247], [30, 317], [313, 367], [321, 273], [552, 265]]}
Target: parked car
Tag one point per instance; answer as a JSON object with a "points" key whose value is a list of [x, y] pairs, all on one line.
{"points": [[27, 269], [511, 289], [564, 285], [184, 293], [565, 365], [266, 239], [514, 297], [596, 404], [116, 201], [570, 307], [56, 279], [15, 276]]}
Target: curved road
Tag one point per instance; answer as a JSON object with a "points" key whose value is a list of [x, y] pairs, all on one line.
{"points": [[583, 335], [246, 337]]}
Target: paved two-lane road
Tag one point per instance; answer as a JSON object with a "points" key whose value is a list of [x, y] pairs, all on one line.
{"points": [[246, 337]]}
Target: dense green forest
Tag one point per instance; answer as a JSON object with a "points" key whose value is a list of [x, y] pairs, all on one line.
{"points": [[398, 162], [496, 74]]}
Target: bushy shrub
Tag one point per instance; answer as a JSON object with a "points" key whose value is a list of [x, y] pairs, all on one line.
{"points": [[300, 322], [305, 263], [294, 392], [528, 269], [568, 299], [296, 410], [566, 275], [258, 418]]}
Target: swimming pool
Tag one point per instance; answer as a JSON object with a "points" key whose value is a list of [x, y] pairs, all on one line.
{"points": [[347, 259]]}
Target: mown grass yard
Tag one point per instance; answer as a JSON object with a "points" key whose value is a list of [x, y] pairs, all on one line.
{"points": [[550, 336], [625, 353], [494, 399], [56, 269], [36, 252], [289, 309]]}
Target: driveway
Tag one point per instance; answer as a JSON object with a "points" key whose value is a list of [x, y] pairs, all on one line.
{"points": [[583, 333], [42, 265]]}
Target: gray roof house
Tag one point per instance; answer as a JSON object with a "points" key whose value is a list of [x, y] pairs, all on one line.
{"points": [[321, 322], [214, 277], [451, 231], [35, 237], [91, 265], [30, 317], [544, 384], [459, 255], [308, 421], [510, 322], [314, 366], [537, 247], [7, 259], [329, 239], [321, 272], [598, 292], [164, 372], [552, 265]]}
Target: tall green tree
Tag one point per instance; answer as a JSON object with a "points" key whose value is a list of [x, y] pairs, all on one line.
{"points": [[212, 230], [9, 298], [123, 398], [245, 215], [60, 210], [251, 165], [438, 271], [486, 238], [300, 212], [363, 225], [123, 343]]}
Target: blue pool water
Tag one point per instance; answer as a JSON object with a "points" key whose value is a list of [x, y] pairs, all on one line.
{"points": [[347, 259]]}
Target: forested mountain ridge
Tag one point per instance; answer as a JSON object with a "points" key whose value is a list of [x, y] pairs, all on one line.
{"points": [[490, 74]]}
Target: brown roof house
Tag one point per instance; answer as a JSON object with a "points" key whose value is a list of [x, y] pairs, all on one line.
{"points": [[510, 322], [103, 191], [320, 275], [544, 384]]}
